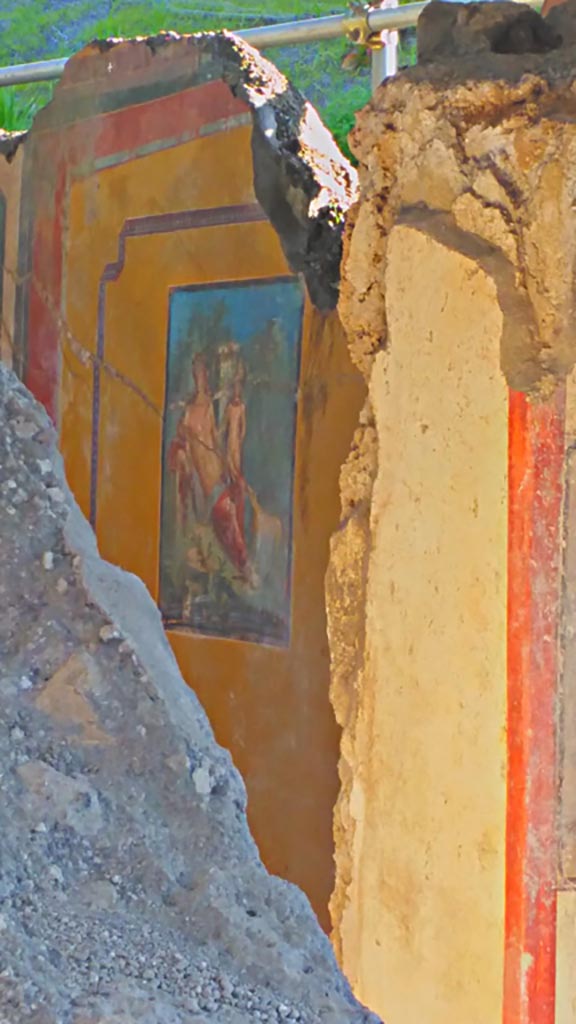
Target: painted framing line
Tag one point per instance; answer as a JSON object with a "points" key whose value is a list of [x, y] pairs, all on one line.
{"points": [[58, 142], [139, 227], [536, 471]]}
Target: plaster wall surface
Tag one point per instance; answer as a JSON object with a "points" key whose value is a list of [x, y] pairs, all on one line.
{"points": [[566, 963], [566, 912], [10, 186], [423, 933], [450, 587], [157, 176]]}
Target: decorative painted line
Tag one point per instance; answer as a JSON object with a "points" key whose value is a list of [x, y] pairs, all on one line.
{"points": [[536, 471], [107, 135], [138, 227], [161, 145]]}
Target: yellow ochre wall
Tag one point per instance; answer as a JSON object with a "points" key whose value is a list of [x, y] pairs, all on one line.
{"points": [[269, 706], [422, 929]]}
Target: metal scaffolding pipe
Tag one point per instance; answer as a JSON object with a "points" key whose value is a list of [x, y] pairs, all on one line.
{"points": [[313, 30], [357, 26], [40, 71]]}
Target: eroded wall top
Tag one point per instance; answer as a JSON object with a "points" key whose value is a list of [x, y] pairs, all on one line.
{"points": [[478, 140]]}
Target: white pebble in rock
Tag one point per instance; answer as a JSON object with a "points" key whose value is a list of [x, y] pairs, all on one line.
{"points": [[24, 429], [108, 633], [202, 781], [48, 560], [57, 494]]}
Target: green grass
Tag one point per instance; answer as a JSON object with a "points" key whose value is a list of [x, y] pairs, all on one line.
{"points": [[32, 30], [339, 113], [19, 105]]}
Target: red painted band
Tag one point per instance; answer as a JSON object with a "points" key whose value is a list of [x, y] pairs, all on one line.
{"points": [[536, 463], [107, 137]]}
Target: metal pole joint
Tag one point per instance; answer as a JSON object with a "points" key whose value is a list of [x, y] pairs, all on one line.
{"points": [[358, 29]]}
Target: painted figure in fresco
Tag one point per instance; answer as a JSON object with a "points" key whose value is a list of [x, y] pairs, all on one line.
{"points": [[228, 458], [228, 363], [234, 433], [266, 529], [193, 454], [234, 426], [209, 481]]}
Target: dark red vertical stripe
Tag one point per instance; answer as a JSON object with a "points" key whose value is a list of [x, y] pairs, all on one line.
{"points": [[536, 461], [45, 288]]}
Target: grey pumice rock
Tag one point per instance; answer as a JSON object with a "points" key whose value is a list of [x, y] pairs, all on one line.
{"points": [[130, 887]]}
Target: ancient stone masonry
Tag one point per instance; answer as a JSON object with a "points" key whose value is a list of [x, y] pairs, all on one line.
{"points": [[130, 888], [444, 584]]}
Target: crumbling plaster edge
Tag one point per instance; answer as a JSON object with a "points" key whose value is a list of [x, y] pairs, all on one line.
{"points": [[527, 364]]}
